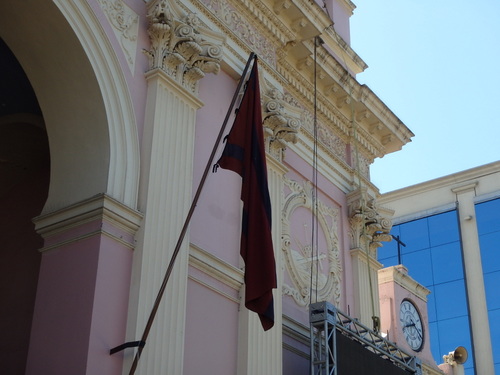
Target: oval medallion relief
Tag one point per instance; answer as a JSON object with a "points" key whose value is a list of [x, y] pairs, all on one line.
{"points": [[310, 245]]}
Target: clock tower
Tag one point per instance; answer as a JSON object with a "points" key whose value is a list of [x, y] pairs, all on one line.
{"points": [[403, 312]]}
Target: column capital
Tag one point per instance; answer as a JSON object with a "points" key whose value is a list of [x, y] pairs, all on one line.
{"points": [[461, 189], [370, 223], [180, 45], [281, 120]]}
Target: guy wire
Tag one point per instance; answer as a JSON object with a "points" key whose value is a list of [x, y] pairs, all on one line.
{"points": [[362, 198], [314, 204], [357, 166]]}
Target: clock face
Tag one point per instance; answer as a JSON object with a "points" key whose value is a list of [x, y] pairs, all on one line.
{"points": [[411, 324]]}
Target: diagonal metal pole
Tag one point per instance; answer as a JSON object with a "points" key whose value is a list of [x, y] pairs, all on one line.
{"points": [[188, 219]]}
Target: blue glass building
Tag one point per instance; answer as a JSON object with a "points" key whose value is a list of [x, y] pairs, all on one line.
{"points": [[451, 234]]}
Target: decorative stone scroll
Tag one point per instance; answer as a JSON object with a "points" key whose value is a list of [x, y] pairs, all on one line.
{"points": [[125, 24], [322, 266], [281, 120], [369, 224], [180, 45]]}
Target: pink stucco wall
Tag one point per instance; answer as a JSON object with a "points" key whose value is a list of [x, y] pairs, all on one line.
{"points": [[134, 76], [331, 195], [211, 340], [81, 308], [61, 330], [293, 362], [216, 223], [215, 226]]}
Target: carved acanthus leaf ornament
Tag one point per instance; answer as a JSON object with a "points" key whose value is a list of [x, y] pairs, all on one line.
{"points": [[180, 45], [281, 120], [369, 224]]}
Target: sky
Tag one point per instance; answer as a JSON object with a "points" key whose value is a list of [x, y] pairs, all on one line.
{"points": [[436, 65]]}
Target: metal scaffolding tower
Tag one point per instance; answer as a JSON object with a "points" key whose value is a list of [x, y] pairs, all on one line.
{"points": [[327, 322]]}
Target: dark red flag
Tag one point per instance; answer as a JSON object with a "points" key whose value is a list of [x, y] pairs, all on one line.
{"points": [[245, 154]]}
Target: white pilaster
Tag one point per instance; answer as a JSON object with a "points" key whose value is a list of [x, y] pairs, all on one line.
{"points": [[483, 355], [182, 51], [165, 200], [261, 352], [365, 280], [369, 226]]}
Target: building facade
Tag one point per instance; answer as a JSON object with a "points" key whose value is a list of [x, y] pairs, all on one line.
{"points": [[109, 112], [449, 242]]}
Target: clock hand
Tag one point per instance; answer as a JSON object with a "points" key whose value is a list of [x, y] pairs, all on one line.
{"points": [[416, 329], [420, 334]]}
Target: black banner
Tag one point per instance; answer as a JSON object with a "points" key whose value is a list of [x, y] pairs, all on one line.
{"points": [[354, 359]]}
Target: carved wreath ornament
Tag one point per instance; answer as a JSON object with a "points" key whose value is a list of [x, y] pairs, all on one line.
{"points": [[306, 265]]}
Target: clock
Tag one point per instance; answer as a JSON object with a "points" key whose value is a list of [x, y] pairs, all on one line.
{"points": [[403, 313], [411, 324]]}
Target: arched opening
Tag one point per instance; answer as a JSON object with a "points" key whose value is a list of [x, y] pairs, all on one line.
{"points": [[75, 107], [69, 96], [24, 172], [83, 95]]}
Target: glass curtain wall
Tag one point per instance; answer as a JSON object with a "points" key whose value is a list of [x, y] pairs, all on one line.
{"points": [[433, 257], [488, 226]]}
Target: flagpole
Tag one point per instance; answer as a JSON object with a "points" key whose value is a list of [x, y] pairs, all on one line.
{"points": [[188, 219]]}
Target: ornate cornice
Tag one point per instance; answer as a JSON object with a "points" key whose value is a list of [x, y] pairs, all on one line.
{"points": [[283, 34], [253, 23], [336, 128], [180, 45]]}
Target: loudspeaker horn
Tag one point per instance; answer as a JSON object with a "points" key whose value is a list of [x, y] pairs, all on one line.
{"points": [[460, 355]]}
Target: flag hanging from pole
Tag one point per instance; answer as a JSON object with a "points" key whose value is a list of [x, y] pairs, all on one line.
{"points": [[245, 154]]}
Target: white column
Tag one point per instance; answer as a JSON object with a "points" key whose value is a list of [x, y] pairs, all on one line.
{"points": [[181, 53], [165, 200], [261, 352], [474, 278], [369, 226], [365, 280]]}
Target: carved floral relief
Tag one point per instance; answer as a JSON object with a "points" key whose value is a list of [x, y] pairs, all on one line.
{"points": [[125, 24], [243, 29]]}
